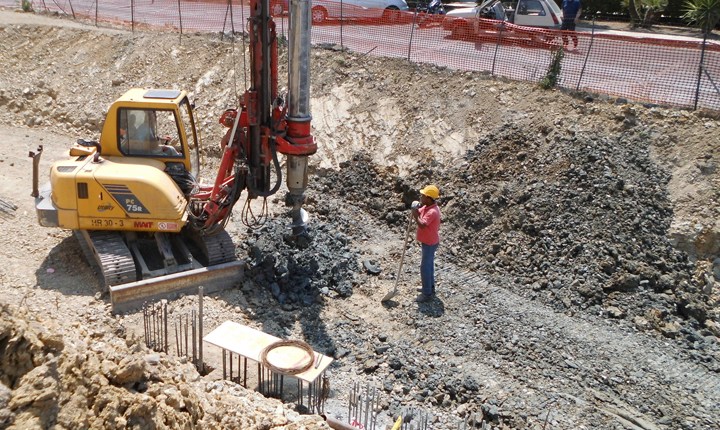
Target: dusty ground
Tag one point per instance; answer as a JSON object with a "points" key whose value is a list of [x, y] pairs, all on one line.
{"points": [[576, 275]]}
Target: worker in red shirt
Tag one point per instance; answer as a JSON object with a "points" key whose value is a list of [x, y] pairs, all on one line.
{"points": [[427, 216]]}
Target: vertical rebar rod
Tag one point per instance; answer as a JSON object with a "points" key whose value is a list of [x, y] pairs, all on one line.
{"points": [[231, 373], [224, 371], [177, 340], [299, 391], [367, 402], [314, 409], [245, 372], [309, 395], [165, 327], [200, 328], [350, 400], [187, 322], [158, 340], [259, 373], [145, 325], [193, 327], [153, 328]]}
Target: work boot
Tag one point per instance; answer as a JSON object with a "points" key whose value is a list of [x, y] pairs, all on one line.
{"points": [[422, 298], [420, 290]]}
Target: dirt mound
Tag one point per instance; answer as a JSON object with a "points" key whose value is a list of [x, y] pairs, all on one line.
{"points": [[73, 378]]}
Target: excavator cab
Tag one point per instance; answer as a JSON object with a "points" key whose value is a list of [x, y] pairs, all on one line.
{"points": [[152, 124], [138, 177]]}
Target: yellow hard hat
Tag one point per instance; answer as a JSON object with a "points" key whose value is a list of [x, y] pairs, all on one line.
{"points": [[431, 191]]}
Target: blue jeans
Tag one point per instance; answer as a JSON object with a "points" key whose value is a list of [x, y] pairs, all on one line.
{"points": [[427, 269]]}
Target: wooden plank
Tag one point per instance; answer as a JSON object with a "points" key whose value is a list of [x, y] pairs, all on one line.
{"points": [[250, 343]]}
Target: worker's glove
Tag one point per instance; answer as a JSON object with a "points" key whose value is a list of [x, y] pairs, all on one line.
{"points": [[415, 205]]}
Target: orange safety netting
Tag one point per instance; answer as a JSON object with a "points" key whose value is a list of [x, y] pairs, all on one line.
{"points": [[654, 70]]}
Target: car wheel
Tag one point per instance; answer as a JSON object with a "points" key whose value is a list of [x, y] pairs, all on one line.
{"points": [[318, 15], [391, 14]]}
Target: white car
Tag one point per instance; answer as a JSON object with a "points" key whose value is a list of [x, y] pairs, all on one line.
{"points": [[526, 13], [491, 16], [389, 10]]}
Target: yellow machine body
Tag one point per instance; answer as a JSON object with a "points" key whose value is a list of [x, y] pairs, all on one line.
{"points": [[126, 187], [116, 193]]}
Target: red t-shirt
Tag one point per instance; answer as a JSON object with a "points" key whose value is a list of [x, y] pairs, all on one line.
{"points": [[429, 232]]}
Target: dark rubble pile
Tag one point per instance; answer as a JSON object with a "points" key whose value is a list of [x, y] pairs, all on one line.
{"points": [[576, 221], [297, 272]]}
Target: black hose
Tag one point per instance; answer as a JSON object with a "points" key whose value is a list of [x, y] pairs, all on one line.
{"points": [[278, 176]]}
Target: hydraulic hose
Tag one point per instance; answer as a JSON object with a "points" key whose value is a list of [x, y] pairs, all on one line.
{"points": [[278, 176]]}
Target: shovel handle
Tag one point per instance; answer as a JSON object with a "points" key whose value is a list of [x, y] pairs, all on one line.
{"points": [[402, 256], [392, 293]]}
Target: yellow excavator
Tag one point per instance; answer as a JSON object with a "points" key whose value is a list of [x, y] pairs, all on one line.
{"points": [[133, 198]]}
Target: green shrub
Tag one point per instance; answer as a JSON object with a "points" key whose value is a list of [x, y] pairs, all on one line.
{"points": [[553, 73]]}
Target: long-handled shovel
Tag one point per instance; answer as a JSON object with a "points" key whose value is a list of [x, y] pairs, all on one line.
{"points": [[394, 291]]}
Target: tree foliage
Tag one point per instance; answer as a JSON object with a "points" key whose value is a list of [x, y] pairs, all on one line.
{"points": [[703, 13], [674, 8], [643, 12]]}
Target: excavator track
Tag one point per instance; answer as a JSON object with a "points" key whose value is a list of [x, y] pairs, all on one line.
{"points": [[117, 268], [216, 249], [112, 256]]}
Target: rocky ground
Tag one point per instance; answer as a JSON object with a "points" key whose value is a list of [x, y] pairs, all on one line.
{"points": [[576, 276]]}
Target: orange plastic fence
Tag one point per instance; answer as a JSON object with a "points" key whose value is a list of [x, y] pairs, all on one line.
{"points": [[654, 70]]}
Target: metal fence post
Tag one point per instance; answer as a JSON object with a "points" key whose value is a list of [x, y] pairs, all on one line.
{"points": [[96, 12], [497, 46], [582, 71], [412, 32], [180, 18], [342, 23], [132, 15], [72, 10], [700, 69]]}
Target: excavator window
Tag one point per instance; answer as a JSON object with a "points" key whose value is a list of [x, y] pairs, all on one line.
{"points": [[148, 132]]}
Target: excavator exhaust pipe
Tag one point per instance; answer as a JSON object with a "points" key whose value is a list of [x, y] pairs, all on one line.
{"points": [[36, 171]]}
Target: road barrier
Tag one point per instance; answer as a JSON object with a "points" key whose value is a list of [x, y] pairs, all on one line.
{"points": [[682, 73]]}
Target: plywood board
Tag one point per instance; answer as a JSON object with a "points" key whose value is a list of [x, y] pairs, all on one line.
{"points": [[250, 343]]}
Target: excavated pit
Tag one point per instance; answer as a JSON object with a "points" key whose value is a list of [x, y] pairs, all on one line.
{"points": [[575, 274]]}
